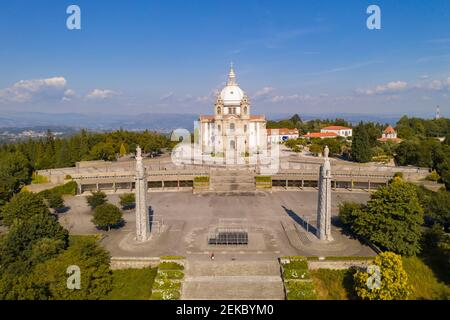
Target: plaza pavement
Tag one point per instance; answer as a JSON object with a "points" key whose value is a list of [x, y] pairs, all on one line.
{"points": [[187, 219]]}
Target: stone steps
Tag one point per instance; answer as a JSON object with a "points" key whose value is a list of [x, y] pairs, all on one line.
{"points": [[232, 280], [232, 181], [229, 268]]}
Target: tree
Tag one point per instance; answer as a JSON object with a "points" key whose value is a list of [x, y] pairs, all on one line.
{"points": [[361, 149], [103, 151], [49, 279], [127, 200], [392, 218], [393, 283], [315, 149], [348, 212], [55, 201], [107, 215], [438, 209], [18, 245], [96, 199], [14, 173], [23, 206], [123, 150]]}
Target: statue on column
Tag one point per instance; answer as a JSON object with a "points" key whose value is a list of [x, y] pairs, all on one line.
{"points": [[324, 201], [141, 188]]}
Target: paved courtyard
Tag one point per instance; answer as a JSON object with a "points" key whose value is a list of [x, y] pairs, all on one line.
{"points": [[275, 223]]}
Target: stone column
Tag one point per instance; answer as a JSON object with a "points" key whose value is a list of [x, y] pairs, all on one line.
{"points": [[324, 202], [142, 213]]}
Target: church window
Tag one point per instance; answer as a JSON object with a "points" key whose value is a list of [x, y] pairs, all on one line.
{"points": [[219, 110], [245, 110]]}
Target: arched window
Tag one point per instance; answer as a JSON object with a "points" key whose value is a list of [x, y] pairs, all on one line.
{"points": [[219, 110], [245, 110], [231, 126], [245, 128], [218, 127]]}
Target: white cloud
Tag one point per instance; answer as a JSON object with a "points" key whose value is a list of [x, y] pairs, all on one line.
{"points": [[28, 90], [264, 93], [167, 96], [294, 97], [101, 94], [388, 88]]}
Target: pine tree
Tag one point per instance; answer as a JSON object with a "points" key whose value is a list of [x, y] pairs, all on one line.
{"points": [[123, 150], [361, 151]]}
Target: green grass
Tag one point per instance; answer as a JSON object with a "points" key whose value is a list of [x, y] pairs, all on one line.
{"points": [[171, 274], [166, 295], [424, 281], [38, 179], [132, 284], [70, 188], [333, 284], [201, 179], [300, 290], [73, 239], [170, 266], [263, 179], [301, 265], [172, 257]]}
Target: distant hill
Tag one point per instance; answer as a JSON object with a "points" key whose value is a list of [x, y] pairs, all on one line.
{"points": [[162, 122]]}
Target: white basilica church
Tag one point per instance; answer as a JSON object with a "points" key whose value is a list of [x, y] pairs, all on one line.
{"points": [[232, 129]]}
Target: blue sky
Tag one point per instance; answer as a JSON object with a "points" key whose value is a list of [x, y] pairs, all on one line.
{"points": [[171, 56]]}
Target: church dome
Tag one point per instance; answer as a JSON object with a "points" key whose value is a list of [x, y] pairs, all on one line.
{"points": [[232, 94]]}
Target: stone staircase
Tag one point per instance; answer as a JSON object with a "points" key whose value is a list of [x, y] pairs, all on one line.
{"points": [[232, 280], [234, 181]]}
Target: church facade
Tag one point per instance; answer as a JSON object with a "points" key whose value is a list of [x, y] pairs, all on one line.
{"points": [[232, 129]]}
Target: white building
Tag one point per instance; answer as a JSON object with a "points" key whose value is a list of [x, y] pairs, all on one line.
{"points": [[232, 128], [389, 134], [281, 135], [340, 131]]}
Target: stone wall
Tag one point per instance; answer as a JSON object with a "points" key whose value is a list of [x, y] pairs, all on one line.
{"points": [[133, 262], [140, 262], [337, 264]]}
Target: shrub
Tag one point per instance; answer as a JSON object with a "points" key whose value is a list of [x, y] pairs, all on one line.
{"points": [[107, 215], [263, 179], [70, 188], [96, 199], [392, 284], [127, 200], [55, 201], [433, 176], [201, 179]]}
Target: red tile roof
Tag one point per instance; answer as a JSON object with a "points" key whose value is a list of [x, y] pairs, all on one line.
{"points": [[257, 118], [282, 131], [206, 118], [389, 129], [336, 128], [320, 135], [396, 140]]}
